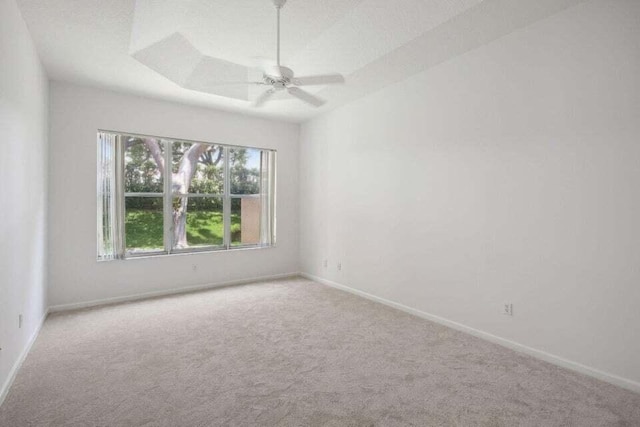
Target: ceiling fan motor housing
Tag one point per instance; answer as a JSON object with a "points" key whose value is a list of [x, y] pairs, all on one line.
{"points": [[279, 3], [278, 77]]}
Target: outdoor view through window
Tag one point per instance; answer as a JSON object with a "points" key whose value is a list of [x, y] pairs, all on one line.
{"points": [[209, 197]]}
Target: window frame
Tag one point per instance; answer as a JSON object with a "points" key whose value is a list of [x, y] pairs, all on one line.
{"points": [[168, 195]]}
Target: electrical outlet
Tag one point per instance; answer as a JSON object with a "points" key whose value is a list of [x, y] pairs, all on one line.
{"points": [[508, 309], [19, 320], [325, 263], [339, 266], [194, 267]]}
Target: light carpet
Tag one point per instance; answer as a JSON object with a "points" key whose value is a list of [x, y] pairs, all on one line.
{"points": [[289, 353]]}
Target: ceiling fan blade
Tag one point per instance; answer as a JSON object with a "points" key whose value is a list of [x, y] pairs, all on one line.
{"points": [[322, 79], [264, 97], [306, 96]]}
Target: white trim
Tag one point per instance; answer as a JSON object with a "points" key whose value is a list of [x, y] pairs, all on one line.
{"points": [[226, 200], [171, 138], [167, 201], [174, 291], [539, 354], [4, 391]]}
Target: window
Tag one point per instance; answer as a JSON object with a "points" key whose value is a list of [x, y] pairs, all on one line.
{"points": [[164, 196]]}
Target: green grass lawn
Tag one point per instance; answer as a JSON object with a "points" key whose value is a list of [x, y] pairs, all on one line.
{"points": [[144, 228]]}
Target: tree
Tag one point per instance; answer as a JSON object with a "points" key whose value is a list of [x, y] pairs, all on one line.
{"points": [[185, 169], [189, 160], [243, 180]]}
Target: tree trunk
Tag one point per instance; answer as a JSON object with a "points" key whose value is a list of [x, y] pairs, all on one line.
{"points": [[181, 181], [180, 224], [156, 152]]}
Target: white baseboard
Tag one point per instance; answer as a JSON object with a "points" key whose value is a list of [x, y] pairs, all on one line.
{"points": [[4, 391], [174, 291], [542, 355]]}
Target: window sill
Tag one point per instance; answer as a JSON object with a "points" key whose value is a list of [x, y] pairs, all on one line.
{"points": [[197, 252]]}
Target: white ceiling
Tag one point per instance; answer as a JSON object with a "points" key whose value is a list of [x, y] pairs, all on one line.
{"points": [[372, 42]]}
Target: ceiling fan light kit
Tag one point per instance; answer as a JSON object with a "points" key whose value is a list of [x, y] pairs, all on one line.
{"points": [[281, 78]]}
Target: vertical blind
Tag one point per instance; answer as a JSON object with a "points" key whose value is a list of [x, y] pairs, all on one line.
{"points": [[110, 200], [267, 197]]}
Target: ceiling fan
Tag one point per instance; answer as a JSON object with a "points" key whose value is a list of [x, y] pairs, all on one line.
{"points": [[281, 78]]}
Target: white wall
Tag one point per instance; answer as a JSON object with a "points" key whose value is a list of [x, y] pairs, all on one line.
{"points": [[23, 171], [76, 114], [509, 174]]}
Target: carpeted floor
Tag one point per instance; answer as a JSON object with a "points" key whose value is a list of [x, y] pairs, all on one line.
{"points": [[289, 353]]}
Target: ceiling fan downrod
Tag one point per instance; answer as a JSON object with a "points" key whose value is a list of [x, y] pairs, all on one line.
{"points": [[278, 4]]}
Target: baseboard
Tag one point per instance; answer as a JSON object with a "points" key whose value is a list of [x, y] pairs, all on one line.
{"points": [[4, 391], [539, 354], [174, 291]]}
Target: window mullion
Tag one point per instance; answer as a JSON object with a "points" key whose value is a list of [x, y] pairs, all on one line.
{"points": [[226, 203], [168, 199]]}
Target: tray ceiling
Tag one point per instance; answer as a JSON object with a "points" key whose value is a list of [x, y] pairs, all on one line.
{"points": [[171, 49]]}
